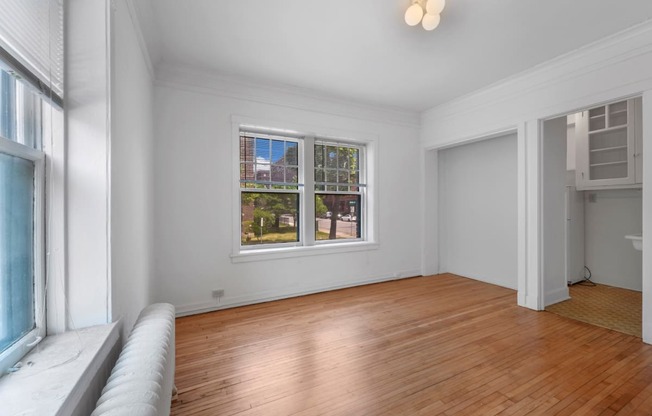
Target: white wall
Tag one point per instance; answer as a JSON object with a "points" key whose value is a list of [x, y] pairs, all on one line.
{"points": [[613, 68], [554, 210], [477, 210], [131, 170], [87, 163], [611, 258], [193, 197], [609, 215]]}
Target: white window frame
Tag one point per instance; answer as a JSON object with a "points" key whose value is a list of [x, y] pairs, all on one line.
{"points": [[299, 191], [21, 347], [308, 245], [363, 189]]}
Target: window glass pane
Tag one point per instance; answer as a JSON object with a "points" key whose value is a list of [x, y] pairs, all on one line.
{"points": [[319, 175], [331, 176], [7, 106], [292, 175], [269, 218], [277, 173], [291, 153], [246, 149], [354, 157], [331, 157], [20, 112], [278, 152], [319, 156], [16, 248], [262, 151], [262, 172], [337, 217], [343, 157]]}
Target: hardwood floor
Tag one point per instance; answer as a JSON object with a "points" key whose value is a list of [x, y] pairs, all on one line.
{"points": [[429, 345]]}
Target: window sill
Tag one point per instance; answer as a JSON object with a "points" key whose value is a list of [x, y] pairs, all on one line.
{"points": [[293, 252], [62, 368]]}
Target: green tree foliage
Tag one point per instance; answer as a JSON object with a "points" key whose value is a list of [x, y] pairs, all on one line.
{"points": [[268, 221], [320, 208]]}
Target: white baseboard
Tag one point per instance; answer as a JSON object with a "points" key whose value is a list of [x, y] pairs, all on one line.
{"points": [[556, 296], [261, 297]]}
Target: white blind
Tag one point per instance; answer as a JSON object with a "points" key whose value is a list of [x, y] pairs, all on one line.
{"points": [[32, 32]]}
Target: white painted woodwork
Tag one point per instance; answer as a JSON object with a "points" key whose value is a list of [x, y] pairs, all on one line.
{"points": [[363, 51], [606, 145], [87, 100], [553, 200]]}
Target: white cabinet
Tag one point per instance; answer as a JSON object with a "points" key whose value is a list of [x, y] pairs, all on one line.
{"points": [[609, 146]]}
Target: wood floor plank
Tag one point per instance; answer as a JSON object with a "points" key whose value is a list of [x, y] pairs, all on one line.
{"points": [[430, 345]]}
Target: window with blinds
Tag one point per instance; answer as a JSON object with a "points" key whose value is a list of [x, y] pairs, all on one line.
{"points": [[31, 87], [31, 43]]}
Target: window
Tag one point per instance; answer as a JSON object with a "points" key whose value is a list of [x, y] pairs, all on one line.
{"points": [[300, 191], [338, 191], [21, 219], [269, 196]]}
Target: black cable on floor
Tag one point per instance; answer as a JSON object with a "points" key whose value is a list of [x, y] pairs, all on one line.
{"points": [[587, 279]]}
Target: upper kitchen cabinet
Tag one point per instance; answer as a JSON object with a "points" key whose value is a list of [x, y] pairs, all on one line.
{"points": [[609, 146]]}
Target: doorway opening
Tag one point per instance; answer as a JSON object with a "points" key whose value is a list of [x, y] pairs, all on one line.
{"points": [[592, 215]]}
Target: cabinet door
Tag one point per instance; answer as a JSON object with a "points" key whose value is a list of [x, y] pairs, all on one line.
{"points": [[638, 139], [605, 146]]}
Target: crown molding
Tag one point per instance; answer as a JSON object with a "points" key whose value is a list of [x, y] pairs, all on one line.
{"points": [[148, 44], [614, 49], [214, 83]]}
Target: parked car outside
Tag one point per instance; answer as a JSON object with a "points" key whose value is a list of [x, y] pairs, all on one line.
{"points": [[349, 217]]}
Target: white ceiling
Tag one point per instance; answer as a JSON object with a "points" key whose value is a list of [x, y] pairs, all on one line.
{"points": [[362, 50]]}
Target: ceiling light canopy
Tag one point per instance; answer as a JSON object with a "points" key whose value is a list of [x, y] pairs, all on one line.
{"points": [[426, 12]]}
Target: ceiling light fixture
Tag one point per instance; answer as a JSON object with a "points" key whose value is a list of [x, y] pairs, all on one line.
{"points": [[426, 12]]}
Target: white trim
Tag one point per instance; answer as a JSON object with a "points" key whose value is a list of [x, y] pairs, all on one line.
{"points": [[430, 213], [213, 83], [135, 21], [556, 296], [67, 373], [368, 171], [268, 296], [619, 47], [110, 73], [603, 71], [647, 217], [533, 203], [521, 255], [54, 148], [274, 253], [28, 341], [493, 134]]}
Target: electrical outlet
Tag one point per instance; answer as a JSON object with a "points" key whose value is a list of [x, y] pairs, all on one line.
{"points": [[218, 293]]}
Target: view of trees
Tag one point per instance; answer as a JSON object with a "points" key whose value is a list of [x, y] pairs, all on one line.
{"points": [[272, 217]]}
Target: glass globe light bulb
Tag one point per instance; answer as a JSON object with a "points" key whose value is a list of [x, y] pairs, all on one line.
{"points": [[435, 7], [413, 14], [430, 21]]}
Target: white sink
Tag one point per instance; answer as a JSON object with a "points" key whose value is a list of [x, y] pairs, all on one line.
{"points": [[637, 241]]}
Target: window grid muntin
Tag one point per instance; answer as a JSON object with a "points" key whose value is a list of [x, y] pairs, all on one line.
{"points": [[284, 175], [13, 108], [333, 174], [277, 159], [20, 112]]}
